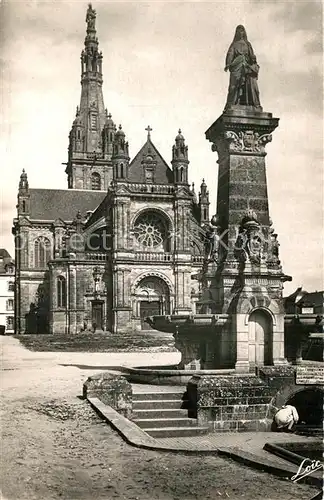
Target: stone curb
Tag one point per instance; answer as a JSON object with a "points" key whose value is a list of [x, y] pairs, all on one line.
{"points": [[135, 436]]}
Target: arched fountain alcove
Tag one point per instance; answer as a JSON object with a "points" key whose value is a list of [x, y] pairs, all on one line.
{"points": [[260, 325]]}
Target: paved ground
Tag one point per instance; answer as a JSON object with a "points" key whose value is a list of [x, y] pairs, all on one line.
{"points": [[55, 447]]}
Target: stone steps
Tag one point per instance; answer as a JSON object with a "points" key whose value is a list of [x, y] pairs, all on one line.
{"points": [[156, 413], [167, 432], [149, 423], [163, 395], [156, 404], [162, 413]]}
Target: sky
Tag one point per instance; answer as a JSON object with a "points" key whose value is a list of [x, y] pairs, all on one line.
{"points": [[163, 66]]}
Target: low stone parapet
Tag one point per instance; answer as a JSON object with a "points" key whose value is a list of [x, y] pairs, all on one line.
{"points": [[113, 390], [230, 403]]}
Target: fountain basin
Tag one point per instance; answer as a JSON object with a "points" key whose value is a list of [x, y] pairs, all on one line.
{"points": [[167, 375], [187, 323]]}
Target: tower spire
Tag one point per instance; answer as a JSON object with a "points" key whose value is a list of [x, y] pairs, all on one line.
{"points": [[86, 136]]}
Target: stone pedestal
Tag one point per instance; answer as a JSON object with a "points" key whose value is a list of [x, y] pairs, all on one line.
{"points": [[247, 284]]}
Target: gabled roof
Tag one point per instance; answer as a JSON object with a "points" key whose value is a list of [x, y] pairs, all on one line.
{"points": [[162, 175], [53, 204]]}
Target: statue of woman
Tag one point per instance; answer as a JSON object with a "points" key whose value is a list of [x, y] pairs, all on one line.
{"points": [[91, 17], [242, 65]]}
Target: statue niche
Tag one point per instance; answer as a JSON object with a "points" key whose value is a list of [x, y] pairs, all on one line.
{"points": [[242, 64]]}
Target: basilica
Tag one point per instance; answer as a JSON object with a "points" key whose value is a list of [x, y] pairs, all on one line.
{"points": [[123, 242]]}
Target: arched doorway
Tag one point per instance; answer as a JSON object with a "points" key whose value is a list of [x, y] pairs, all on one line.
{"points": [[260, 338], [152, 299]]}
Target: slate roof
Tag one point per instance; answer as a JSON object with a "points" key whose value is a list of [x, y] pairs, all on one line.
{"points": [[163, 173], [52, 204], [315, 298], [301, 298]]}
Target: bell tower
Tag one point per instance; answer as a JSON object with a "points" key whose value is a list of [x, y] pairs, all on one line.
{"points": [[180, 160], [23, 206], [204, 203], [92, 132]]}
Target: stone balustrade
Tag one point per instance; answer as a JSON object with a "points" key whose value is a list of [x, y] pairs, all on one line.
{"points": [[150, 188], [153, 256], [197, 259], [97, 256]]}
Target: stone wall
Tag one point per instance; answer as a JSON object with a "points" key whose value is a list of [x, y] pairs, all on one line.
{"points": [[230, 402], [113, 390], [243, 402]]}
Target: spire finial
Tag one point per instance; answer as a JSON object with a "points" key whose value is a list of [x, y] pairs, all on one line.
{"points": [[179, 131], [149, 130], [23, 183]]}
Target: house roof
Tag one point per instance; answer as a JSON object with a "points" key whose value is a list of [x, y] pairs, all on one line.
{"points": [[162, 174], [52, 204], [312, 298], [5, 260], [296, 296], [4, 254]]}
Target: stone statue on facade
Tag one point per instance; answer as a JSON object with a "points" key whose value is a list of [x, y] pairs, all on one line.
{"points": [[273, 247], [212, 239], [242, 64], [91, 18]]}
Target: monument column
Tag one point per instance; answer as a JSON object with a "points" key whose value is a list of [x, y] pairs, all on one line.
{"points": [[247, 281]]}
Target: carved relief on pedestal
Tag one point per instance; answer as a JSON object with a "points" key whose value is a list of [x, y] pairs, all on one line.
{"points": [[250, 244], [247, 141]]}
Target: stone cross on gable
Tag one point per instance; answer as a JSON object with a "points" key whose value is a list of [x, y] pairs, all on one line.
{"points": [[149, 130]]}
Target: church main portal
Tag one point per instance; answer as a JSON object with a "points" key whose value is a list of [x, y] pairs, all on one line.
{"points": [[152, 298]]}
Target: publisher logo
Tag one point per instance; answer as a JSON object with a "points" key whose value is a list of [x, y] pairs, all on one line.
{"points": [[304, 470]]}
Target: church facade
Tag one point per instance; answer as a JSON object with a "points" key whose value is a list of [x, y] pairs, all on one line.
{"points": [[122, 242]]}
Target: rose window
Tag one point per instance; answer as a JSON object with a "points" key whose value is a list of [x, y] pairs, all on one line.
{"points": [[149, 230]]}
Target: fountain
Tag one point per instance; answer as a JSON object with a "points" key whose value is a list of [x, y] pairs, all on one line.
{"points": [[232, 348], [240, 319]]}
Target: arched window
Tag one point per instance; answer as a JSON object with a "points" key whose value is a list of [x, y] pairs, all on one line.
{"points": [[42, 252], [61, 291], [121, 170], [79, 136], [95, 181], [24, 206]]}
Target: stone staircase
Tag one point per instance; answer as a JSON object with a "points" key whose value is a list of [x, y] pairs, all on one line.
{"points": [[163, 413]]}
